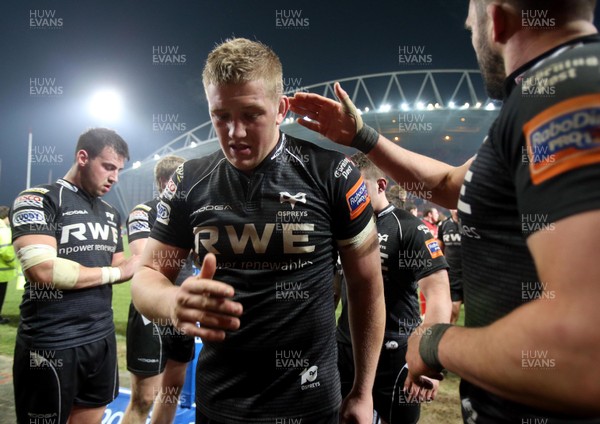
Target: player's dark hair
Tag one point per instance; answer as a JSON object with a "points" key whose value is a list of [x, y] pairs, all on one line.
{"points": [[94, 140], [4, 211]]}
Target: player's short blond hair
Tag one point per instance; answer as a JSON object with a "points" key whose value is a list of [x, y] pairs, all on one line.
{"points": [[165, 167], [240, 60]]}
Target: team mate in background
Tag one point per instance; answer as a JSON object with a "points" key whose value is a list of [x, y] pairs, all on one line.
{"points": [[527, 203], [68, 241], [267, 214], [449, 238], [431, 217], [8, 260], [157, 355], [410, 258]]}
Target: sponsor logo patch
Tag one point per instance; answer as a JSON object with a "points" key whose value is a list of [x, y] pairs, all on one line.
{"points": [[138, 227], [137, 214], [563, 138], [170, 190], [36, 190], [357, 198], [29, 200], [434, 248], [28, 216], [163, 213]]}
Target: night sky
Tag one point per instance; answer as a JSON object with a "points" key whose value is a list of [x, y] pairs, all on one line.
{"points": [[57, 53]]}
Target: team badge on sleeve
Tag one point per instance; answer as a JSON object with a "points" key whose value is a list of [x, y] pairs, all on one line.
{"points": [[564, 137], [434, 248], [357, 198]]}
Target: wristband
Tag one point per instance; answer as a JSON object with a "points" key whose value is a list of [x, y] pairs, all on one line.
{"points": [[428, 346], [365, 139], [110, 274]]}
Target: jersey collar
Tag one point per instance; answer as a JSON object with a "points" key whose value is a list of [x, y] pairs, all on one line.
{"points": [[516, 77]]}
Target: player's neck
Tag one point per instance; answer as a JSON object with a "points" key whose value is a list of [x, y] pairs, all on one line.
{"points": [[525, 46]]}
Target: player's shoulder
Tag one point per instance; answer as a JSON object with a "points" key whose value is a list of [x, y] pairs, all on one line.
{"points": [[326, 163], [193, 170], [141, 211], [35, 196]]}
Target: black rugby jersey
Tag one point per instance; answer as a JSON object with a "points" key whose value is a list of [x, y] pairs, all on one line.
{"points": [[275, 234], [449, 234], [539, 163], [87, 231], [140, 221], [409, 252]]}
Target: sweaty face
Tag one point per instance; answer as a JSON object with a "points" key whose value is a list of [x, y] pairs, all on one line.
{"points": [[246, 118], [491, 63], [102, 172]]}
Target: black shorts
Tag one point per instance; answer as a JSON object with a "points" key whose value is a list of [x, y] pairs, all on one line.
{"points": [[150, 344], [388, 394], [49, 382], [333, 418], [456, 287]]}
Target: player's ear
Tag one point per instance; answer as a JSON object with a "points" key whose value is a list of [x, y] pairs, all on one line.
{"points": [[503, 20], [283, 107], [82, 157], [382, 184]]}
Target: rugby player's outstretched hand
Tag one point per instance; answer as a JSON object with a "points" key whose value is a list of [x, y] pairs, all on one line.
{"points": [[338, 121], [200, 299], [128, 267]]}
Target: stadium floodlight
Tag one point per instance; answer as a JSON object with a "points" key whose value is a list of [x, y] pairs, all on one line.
{"points": [[405, 107], [136, 164], [106, 105], [465, 106], [490, 106], [451, 105], [420, 105], [156, 156], [193, 144], [367, 109], [477, 105], [385, 108]]}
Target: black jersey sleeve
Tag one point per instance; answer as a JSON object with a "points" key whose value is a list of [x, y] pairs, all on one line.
{"points": [[34, 211], [172, 217], [417, 238], [555, 149], [352, 213], [138, 222]]}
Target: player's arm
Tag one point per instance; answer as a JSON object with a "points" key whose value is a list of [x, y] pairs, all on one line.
{"points": [[544, 353], [366, 312], [198, 300], [340, 122], [436, 289], [43, 268]]}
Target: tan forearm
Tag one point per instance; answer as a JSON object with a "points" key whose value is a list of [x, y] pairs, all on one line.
{"points": [[544, 363], [152, 293], [418, 173]]}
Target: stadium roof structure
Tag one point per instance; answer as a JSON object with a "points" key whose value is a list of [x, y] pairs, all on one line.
{"points": [[444, 114]]}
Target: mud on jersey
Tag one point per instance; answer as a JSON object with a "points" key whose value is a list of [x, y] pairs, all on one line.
{"points": [[87, 231], [409, 252], [540, 163], [274, 234]]}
